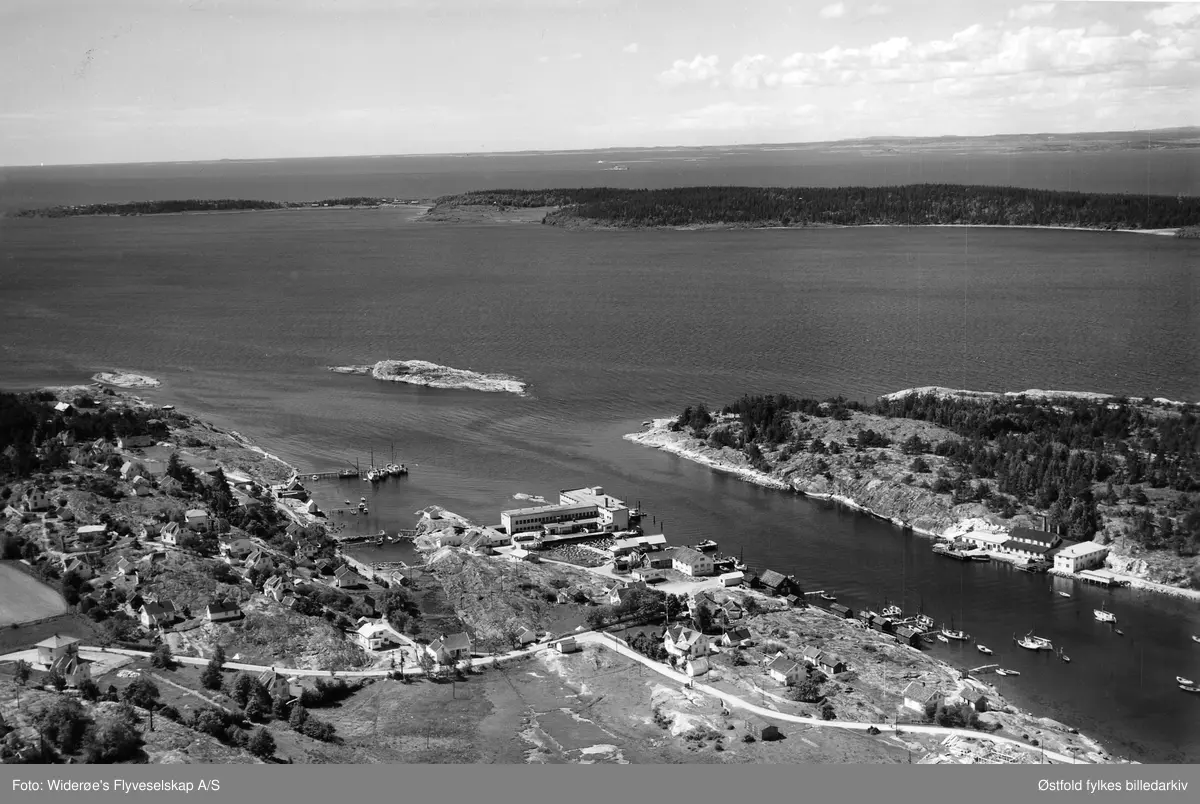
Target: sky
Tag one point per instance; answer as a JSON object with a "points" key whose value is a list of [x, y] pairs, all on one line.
{"points": [[179, 80]]}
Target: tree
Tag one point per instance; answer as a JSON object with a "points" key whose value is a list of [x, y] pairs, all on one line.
{"points": [[64, 724], [115, 738], [243, 688], [211, 677], [56, 680], [298, 717], [89, 690], [827, 712], [807, 691], [22, 672], [162, 657], [261, 744], [142, 692]]}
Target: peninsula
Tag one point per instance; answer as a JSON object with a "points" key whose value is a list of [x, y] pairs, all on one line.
{"points": [[1123, 474]]}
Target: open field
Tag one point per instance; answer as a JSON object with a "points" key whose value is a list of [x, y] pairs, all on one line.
{"points": [[23, 598]]}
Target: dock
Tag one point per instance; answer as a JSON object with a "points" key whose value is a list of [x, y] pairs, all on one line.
{"points": [[984, 667], [334, 475]]}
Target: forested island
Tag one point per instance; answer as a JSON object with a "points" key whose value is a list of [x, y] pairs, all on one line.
{"points": [[173, 207], [1119, 471], [908, 205]]}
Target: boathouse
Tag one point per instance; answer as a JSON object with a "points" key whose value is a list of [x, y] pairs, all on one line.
{"points": [[1082, 556], [842, 611]]}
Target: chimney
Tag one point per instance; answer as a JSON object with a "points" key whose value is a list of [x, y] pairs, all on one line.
{"points": [[1045, 524]]}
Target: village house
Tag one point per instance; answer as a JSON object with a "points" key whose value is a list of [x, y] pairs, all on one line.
{"points": [[141, 486], [79, 567], [259, 560], [739, 636], [1082, 556], [686, 642], [222, 610], [237, 549], [378, 636], [906, 635], [135, 441], [278, 686], [918, 694], [779, 584], [346, 578], [691, 562], [786, 671], [125, 566], [36, 499], [449, 649], [762, 730], [277, 588], [527, 636], [568, 645], [308, 549], [61, 654], [127, 582], [90, 532], [130, 470], [170, 533], [64, 408], [159, 614], [197, 519]]}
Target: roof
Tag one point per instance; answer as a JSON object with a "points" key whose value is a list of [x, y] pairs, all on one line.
{"points": [[343, 571], [812, 653], [772, 578], [223, 607], [839, 607], [57, 641], [831, 659], [919, 691], [546, 509], [739, 633], [1040, 536], [92, 529], [197, 512], [1026, 547], [1082, 549], [686, 555], [782, 665], [460, 641], [158, 609]]}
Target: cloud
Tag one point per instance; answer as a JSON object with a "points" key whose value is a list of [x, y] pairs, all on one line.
{"points": [[575, 56], [1175, 14], [833, 11], [1031, 11], [632, 47], [876, 10], [749, 72], [730, 116], [699, 69], [543, 59]]}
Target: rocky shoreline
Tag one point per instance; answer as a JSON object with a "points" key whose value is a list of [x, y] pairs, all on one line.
{"points": [[904, 505]]}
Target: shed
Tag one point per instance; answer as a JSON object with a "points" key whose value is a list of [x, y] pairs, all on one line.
{"points": [[697, 667], [842, 611], [568, 645]]}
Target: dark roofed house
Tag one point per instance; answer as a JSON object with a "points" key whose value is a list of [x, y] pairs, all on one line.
{"points": [[222, 610], [736, 636], [908, 636], [842, 611], [159, 614], [1030, 543], [831, 663], [346, 578], [779, 584]]}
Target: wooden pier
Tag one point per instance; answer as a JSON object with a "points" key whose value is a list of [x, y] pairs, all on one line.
{"points": [[334, 475], [984, 667]]}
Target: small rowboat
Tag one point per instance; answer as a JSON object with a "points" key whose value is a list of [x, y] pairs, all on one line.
{"points": [[1187, 688], [943, 638], [1000, 671], [984, 649], [1063, 594], [1187, 682]]}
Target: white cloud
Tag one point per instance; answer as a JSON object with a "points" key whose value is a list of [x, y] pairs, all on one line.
{"points": [[876, 10], [701, 68], [1031, 11], [576, 56], [832, 11], [730, 116], [1175, 14], [632, 47], [749, 72]]}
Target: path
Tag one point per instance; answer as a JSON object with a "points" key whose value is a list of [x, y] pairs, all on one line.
{"points": [[609, 642], [184, 689]]}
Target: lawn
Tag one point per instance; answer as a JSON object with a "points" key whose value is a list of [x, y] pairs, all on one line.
{"points": [[23, 598]]}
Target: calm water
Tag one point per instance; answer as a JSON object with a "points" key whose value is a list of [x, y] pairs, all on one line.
{"points": [[240, 315]]}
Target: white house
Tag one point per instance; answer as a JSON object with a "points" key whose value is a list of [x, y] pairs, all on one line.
{"points": [[197, 518], [61, 654], [129, 442], [378, 636], [731, 578], [125, 566], [79, 567], [222, 610], [141, 486], [449, 649], [158, 614], [526, 636], [346, 578], [568, 645], [785, 671], [691, 562], [169, 533], [683, 641], [917, 694], [1082, 556], [35, 499]]}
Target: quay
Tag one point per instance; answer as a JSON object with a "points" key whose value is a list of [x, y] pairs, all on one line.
{"points": [[334, 475]]}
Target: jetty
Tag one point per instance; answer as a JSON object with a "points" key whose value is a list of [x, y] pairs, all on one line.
{"points": [[983, 668], [334, 475]]}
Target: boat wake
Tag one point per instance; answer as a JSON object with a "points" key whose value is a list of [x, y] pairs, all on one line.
{"points": [[432, 375], [124, 379]]}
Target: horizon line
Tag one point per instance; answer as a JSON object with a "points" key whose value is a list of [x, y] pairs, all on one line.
{"points": [[554, 151]]}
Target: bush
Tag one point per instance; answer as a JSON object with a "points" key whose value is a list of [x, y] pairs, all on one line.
{"points": [[827, 712], [161, 657], [115, 738], [261, 743], [64, 724]]}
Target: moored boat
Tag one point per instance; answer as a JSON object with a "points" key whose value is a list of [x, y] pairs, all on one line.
{"points": [[1187, 682], [1031, 642], [943, 638], [1063, 594], [1195, 638], [892, 611], [1189, 688], [1103, 615], [984, 649], [959, 636], [1000, 671], [829, 597], [707, 546]]}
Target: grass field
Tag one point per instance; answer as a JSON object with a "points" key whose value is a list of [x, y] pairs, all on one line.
{"points": [[23, 599]]}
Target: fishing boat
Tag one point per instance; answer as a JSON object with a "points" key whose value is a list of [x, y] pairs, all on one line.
{"points": [[1064, 656], [829, 597], [1103, 615], [1000, 671], [1064, 594], [345, 473], [984, 649], [943, 638], [958, 636], [1187, 682], [707, 546], [892, 611], [316, 477], [347, 502], [1195, 638], [1118, 632], [925, 622], [1189, 688]]}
